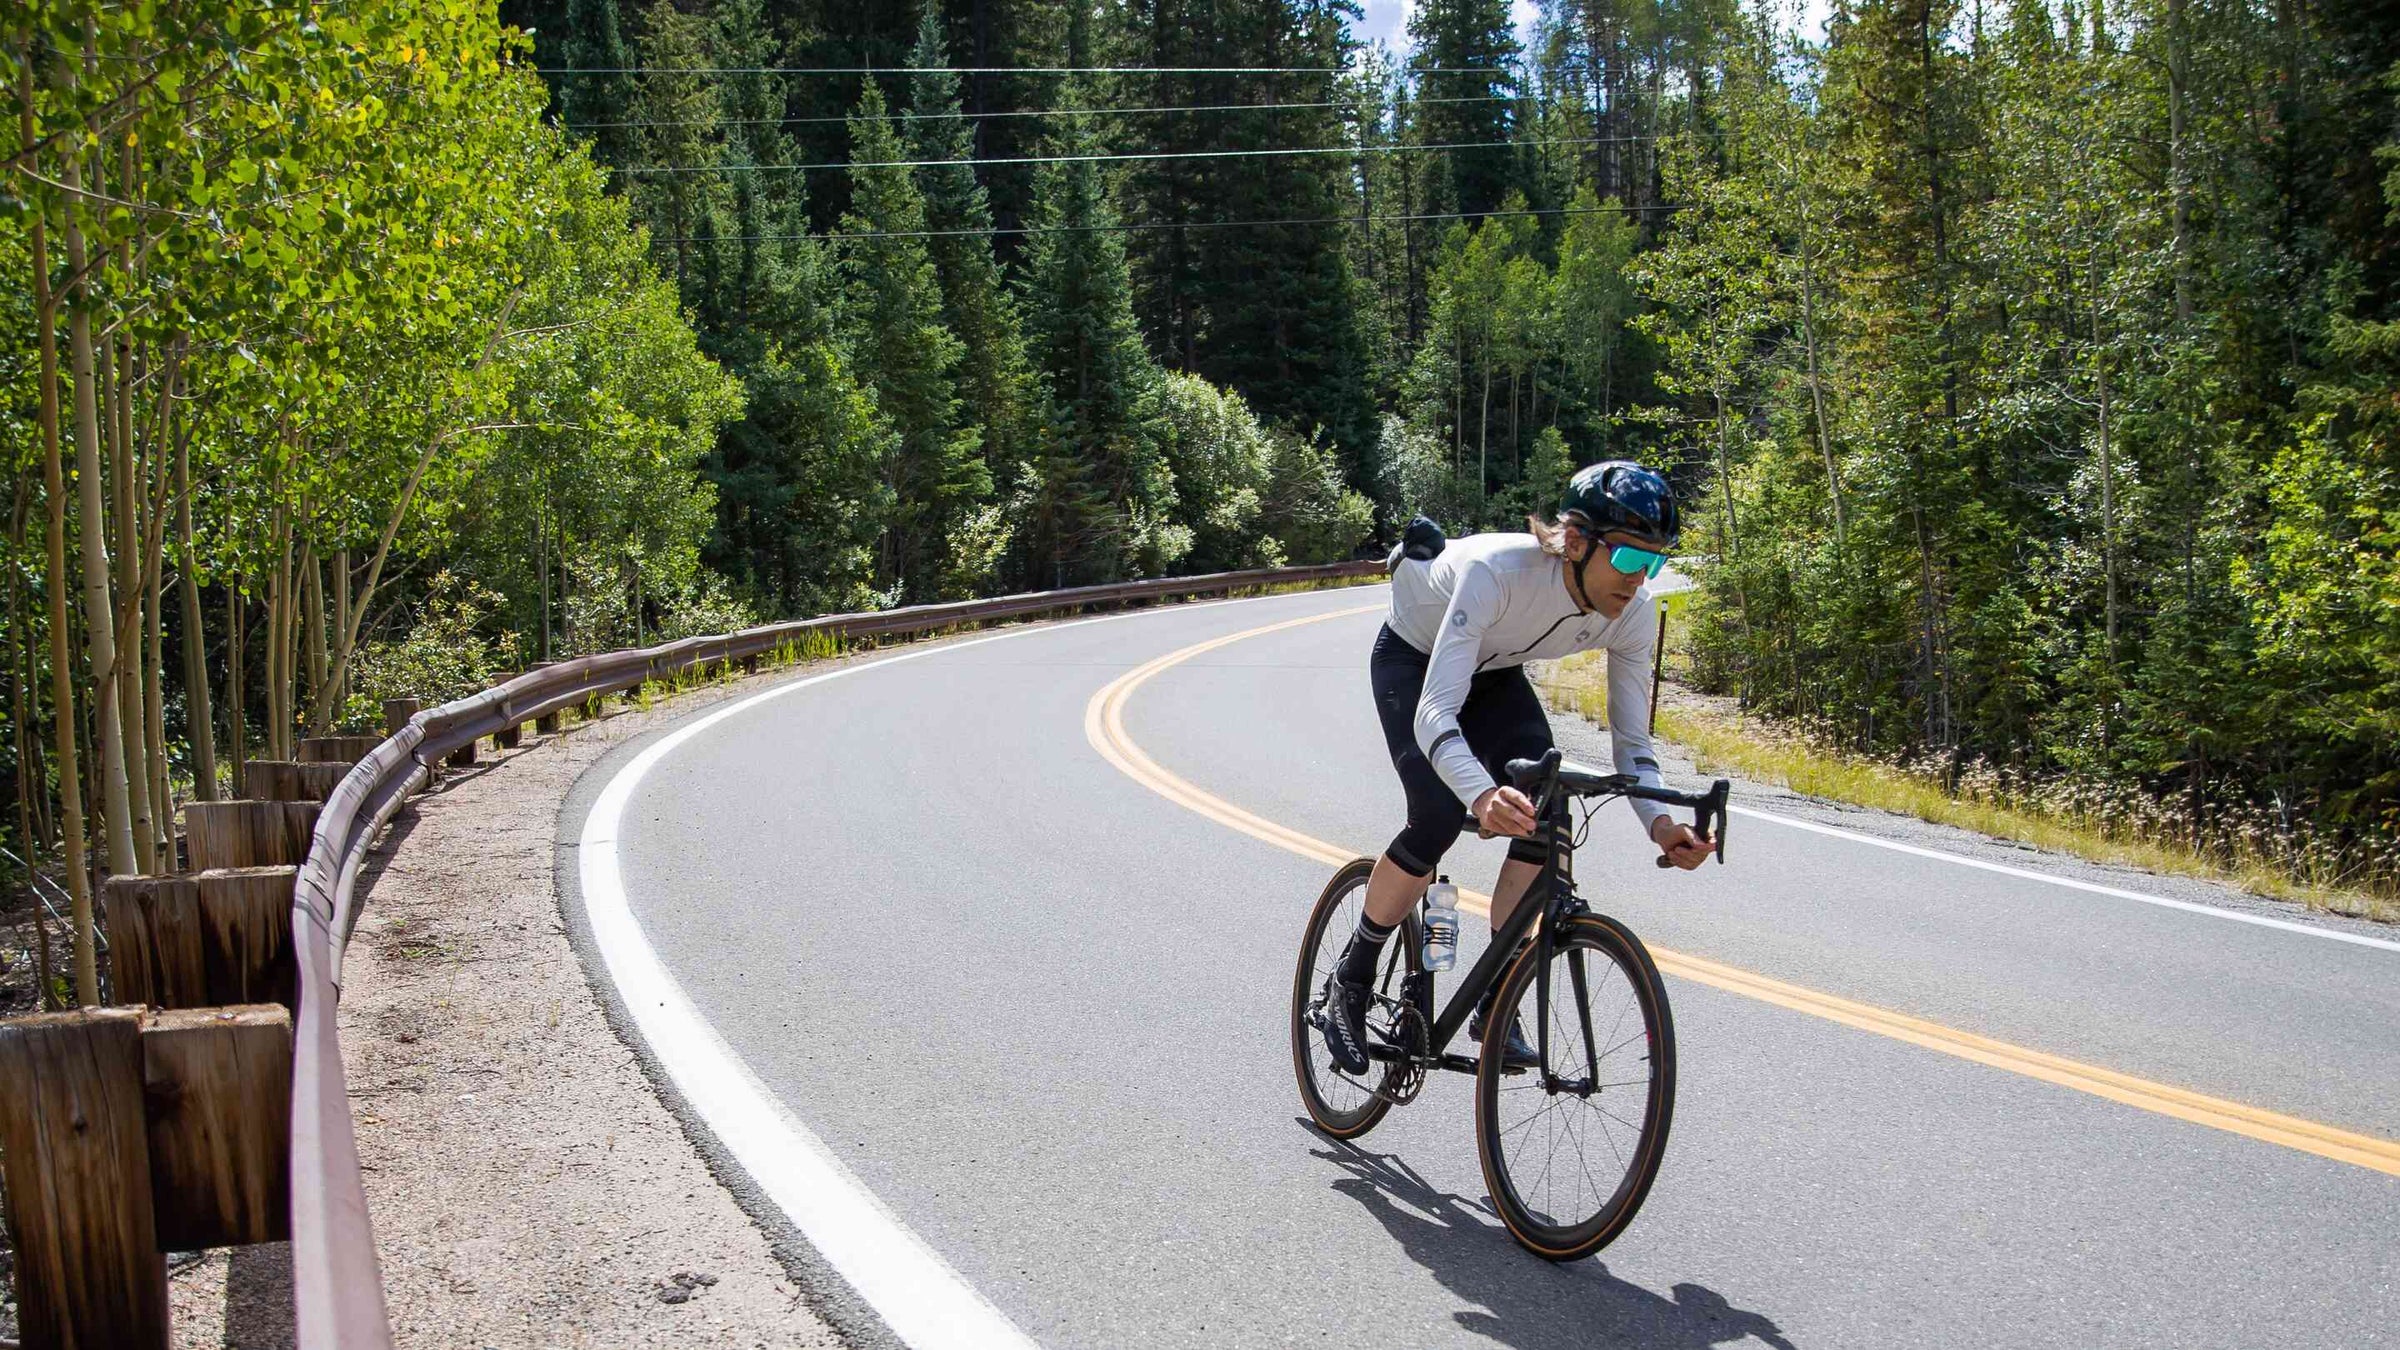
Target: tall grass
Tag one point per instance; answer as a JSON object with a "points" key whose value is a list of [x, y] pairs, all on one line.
{"points": [[2256, 852]]}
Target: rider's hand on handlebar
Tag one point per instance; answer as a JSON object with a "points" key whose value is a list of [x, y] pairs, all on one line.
{"points": [[1678, 844], [1504, 810]]}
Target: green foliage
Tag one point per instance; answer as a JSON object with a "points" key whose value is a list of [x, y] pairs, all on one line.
{"points": [[1269, 310], [908, 355], [2037, 435], [1250, 496], [1099, 495], [448, 650], [996, 384]]}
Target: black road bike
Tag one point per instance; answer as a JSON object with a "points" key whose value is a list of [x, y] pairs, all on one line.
{"points": [[1570, 1143]]}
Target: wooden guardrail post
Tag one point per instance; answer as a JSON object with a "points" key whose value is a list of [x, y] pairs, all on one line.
{"points": [[204, 940], [397, 711], [463, 756], [336, 749], [217, 1088], [511, 736], [249, 833], [548, 723], [289, 780], [77, 1152]]}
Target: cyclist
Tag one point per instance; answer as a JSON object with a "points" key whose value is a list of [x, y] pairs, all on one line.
{"points": [[1449, 681]]}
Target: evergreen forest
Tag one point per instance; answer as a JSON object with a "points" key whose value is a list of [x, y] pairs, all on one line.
{"points": [[2030, 368]]}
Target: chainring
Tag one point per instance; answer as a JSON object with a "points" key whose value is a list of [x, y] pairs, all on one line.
{"points": [[1404, 1027]]}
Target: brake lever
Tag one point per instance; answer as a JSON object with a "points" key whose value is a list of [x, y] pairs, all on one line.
{"points": [[1711, 810]]}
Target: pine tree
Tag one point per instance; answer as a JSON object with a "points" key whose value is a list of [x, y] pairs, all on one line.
{"points": [[595, 104], [1463, 48], [908, 355], [1272, 310], [976, 305], [678, 139], [1101, 489]]}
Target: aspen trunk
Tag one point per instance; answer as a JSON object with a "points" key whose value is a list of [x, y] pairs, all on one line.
{"points": [[312, 636], [341, 618], [199, 721], [2108, 476], [126, 517], [62, 664], [154, 713], [237, 735], [100, 639], [1816, 387], [21, 736]]}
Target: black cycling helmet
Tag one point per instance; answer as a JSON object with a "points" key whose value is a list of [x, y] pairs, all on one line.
{"points": [[1619, 494]]}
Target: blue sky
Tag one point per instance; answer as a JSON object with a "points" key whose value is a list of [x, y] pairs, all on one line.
{"points": [[1388, 19]]}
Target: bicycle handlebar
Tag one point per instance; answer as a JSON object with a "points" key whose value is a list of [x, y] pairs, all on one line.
{"points": [[1552, 771]]}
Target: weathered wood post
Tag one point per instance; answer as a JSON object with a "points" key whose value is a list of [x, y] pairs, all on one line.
{"points": [[548, 723], [512, 735], [77, 1152], [249, 833], [205, 939], [397, 711], [289, 780], [217, 1086], [336, 749], [463, 756]]}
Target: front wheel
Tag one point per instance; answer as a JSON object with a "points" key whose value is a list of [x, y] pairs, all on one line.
{"points": [[1342, 1106], [1569, 1152]]}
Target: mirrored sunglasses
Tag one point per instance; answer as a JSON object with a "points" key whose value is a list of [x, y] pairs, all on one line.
{"points": [[1629, 560]]}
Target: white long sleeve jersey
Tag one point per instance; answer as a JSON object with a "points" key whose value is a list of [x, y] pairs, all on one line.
{"points": [[1497, 600]]}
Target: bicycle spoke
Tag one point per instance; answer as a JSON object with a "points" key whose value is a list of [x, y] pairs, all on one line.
{"points": [[1568, 1155]]}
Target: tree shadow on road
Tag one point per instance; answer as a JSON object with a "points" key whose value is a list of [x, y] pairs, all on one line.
{"points": [[1520, 1300]]}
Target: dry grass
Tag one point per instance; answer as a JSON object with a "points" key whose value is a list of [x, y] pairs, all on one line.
{"points": [[1723, 741]]}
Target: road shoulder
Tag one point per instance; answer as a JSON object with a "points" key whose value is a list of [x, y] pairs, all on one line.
{"points": [[527, 1184]]}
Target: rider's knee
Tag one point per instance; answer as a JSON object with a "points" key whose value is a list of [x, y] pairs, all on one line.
{"points": [[1417, 850]]}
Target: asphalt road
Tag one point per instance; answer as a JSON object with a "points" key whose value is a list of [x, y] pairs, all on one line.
{"points": [[1040, 1011]]}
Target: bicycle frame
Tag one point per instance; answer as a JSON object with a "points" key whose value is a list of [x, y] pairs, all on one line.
{"points": [[1553, 810], [1556, 880]]}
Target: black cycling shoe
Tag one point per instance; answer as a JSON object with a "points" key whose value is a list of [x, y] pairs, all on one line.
{"points": [[1519, 1053], [1343, 1019]]}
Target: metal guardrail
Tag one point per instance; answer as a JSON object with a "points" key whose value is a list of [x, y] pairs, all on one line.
{"points": [[337, 1282]]}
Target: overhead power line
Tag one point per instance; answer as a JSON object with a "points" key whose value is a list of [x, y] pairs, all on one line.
{"points": [[1140, 226], [1023, 112], [1143, 155], [1498, 72]]}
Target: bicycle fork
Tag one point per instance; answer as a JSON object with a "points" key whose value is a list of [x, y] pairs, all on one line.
{"points": [[1559, 869]]}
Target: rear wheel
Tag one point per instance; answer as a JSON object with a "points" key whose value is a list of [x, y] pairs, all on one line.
{"points": [[1343, 1106], [1570, 1152]]}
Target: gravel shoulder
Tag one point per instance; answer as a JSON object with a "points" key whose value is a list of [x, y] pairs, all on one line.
{"points": [[528, 1185]]}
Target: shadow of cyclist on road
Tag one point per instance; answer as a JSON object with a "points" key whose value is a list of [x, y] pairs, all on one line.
{"points": [[1520, 1300]]}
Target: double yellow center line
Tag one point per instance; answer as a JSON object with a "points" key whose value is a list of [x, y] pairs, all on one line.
{"points": [[1104, 727]]}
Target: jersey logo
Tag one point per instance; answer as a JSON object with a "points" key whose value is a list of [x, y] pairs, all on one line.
{"points": [[1458, 618]]}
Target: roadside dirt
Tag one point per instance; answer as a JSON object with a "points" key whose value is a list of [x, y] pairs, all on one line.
{"points": [[528, 1187]]}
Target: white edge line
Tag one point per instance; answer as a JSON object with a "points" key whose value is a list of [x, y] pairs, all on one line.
{"points": [[2189, 906], [920, 1296]]}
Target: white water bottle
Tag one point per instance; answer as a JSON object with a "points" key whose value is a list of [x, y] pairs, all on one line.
{"points": [[1441, 925]]}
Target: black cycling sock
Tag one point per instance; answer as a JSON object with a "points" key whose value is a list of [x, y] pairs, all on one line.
{"points": [[1366, 945]]}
